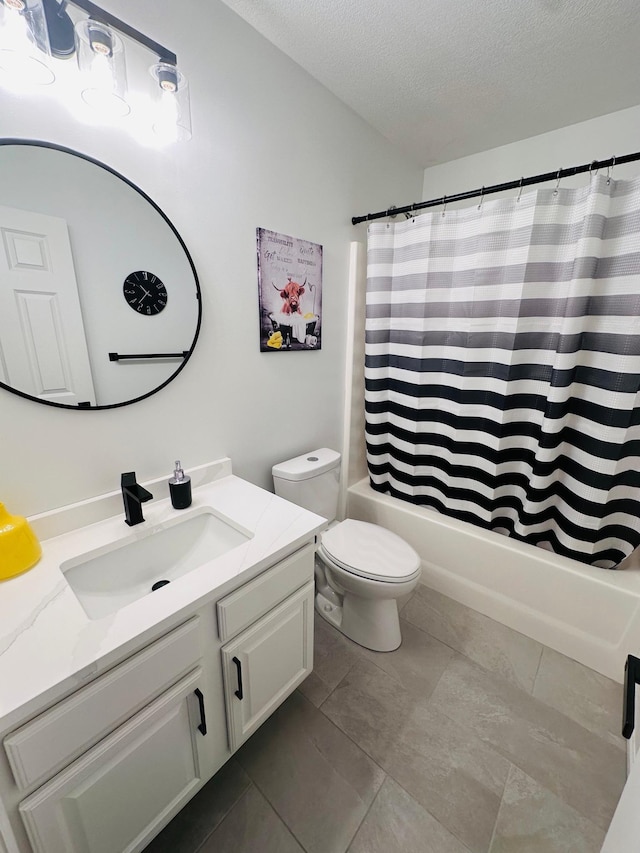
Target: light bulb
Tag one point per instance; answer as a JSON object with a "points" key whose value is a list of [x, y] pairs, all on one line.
{"points": [[167, 115], [172, 113], [101, 61], [99, 72], [24, 44]]}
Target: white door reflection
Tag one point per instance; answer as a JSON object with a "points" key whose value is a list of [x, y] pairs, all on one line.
{"points": [[42, 337]]}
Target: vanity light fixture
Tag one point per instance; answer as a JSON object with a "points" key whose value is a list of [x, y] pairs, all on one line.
{"points": [[36, 33]]}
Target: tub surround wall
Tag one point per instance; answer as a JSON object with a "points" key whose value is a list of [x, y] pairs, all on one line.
{"points": [[354, 459]]}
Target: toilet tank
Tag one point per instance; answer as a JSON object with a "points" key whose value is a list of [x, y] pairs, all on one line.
{"points": [[311, 481]]}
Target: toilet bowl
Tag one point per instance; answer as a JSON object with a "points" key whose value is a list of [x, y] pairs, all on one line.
{"points": [[361, 568], [368, 568]]}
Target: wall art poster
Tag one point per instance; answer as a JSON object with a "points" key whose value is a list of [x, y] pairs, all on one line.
{"points": [[289, 292]]}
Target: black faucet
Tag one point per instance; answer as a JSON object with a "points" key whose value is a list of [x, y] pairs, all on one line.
{"points": [[133, 496]]}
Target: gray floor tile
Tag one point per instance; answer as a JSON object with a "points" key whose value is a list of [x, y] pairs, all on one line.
{"points": [[396, 822], [489, 643], [413, 750], [533, 820], [371, 706], [593, 700], [333, 657], [418, 663], [581, 768], [202, 814], [251, 826], [448, 770], [319, 782]]}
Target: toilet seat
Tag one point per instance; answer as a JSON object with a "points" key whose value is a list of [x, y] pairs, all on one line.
{"points": [[370, 551]]}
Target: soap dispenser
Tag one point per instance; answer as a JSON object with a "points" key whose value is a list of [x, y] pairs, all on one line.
{"points": [[180, 488]]}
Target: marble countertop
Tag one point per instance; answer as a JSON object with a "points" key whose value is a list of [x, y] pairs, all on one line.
{"points": [[48, 644]]}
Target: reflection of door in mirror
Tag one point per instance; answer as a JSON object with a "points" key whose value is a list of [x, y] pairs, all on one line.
{"points": [[43, 350]]}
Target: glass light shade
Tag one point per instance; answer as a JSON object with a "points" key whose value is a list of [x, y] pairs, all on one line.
{"points": [[24, 43], [101, 62], [171, 106]]}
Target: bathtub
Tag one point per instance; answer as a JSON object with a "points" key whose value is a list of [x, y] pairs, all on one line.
{"points": [[589, 614]]}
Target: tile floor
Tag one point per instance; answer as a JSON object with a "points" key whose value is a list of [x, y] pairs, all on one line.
{"points": [[470, 738]]}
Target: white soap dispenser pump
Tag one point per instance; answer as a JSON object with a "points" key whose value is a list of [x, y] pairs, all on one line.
{"points": [[180, 488]]}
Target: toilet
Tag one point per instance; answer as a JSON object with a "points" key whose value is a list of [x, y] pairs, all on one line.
{"points": [[361, 568]]}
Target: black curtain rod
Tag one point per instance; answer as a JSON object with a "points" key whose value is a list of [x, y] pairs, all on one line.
{"points": [[496, 188]]}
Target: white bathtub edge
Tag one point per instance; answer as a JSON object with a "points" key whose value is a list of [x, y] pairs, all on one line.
{"points": [[607, 602]]}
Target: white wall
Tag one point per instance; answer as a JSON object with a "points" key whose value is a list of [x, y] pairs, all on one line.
{"points": [[597, 139], [270, 148]]}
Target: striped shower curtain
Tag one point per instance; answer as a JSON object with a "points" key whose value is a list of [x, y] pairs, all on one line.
{"points": [[503, 366]]}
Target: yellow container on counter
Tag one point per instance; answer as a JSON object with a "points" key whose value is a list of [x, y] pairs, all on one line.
{"points": [[19, 548]]}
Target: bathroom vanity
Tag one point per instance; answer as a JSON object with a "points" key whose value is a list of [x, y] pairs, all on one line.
{"points": [[117, 704]]}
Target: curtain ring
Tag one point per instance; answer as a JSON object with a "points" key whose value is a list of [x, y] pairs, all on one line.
{"points": [[481, 197], [591, 175], [444, 201], [520, 190], [555, 192], [610, 173]]}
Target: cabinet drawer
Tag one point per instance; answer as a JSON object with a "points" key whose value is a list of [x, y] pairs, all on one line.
{"points": [[45, 745], [238, 610]]}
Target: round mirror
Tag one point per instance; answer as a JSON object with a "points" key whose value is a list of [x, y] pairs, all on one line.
{"points": [[99, 298]]}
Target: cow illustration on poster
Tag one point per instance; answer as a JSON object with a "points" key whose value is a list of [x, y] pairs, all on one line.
{"points": [[289, 292]]}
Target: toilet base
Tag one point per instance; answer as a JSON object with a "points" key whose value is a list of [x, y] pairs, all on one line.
{"points": [[372, 623], [329, 611]]}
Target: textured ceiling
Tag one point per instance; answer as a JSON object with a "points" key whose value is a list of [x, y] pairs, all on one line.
{"points": [[445, 78]]}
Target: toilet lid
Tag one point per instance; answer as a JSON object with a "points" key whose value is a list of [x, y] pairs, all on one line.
{"points": [[370, 551]]}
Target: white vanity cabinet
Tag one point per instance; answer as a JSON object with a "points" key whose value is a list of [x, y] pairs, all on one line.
{"points": [[111, 799], [113, 762], [106, 768]]}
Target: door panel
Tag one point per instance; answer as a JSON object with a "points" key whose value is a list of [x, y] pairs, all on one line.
{"points": [[42, 337]]}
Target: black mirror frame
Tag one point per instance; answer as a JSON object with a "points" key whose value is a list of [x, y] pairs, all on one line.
{"points": [[52, 145]]}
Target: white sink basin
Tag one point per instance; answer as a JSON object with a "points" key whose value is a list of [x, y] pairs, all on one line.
{"points": [[111, 577]]}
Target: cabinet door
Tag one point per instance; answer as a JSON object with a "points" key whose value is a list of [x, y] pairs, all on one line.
{"points": [[263, 665], [115, 797]]}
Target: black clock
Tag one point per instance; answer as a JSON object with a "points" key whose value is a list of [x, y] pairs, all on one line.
{"points": [[145, 293]]}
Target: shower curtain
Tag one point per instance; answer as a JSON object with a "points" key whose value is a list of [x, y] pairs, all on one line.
{"points": [[502, 366]]}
